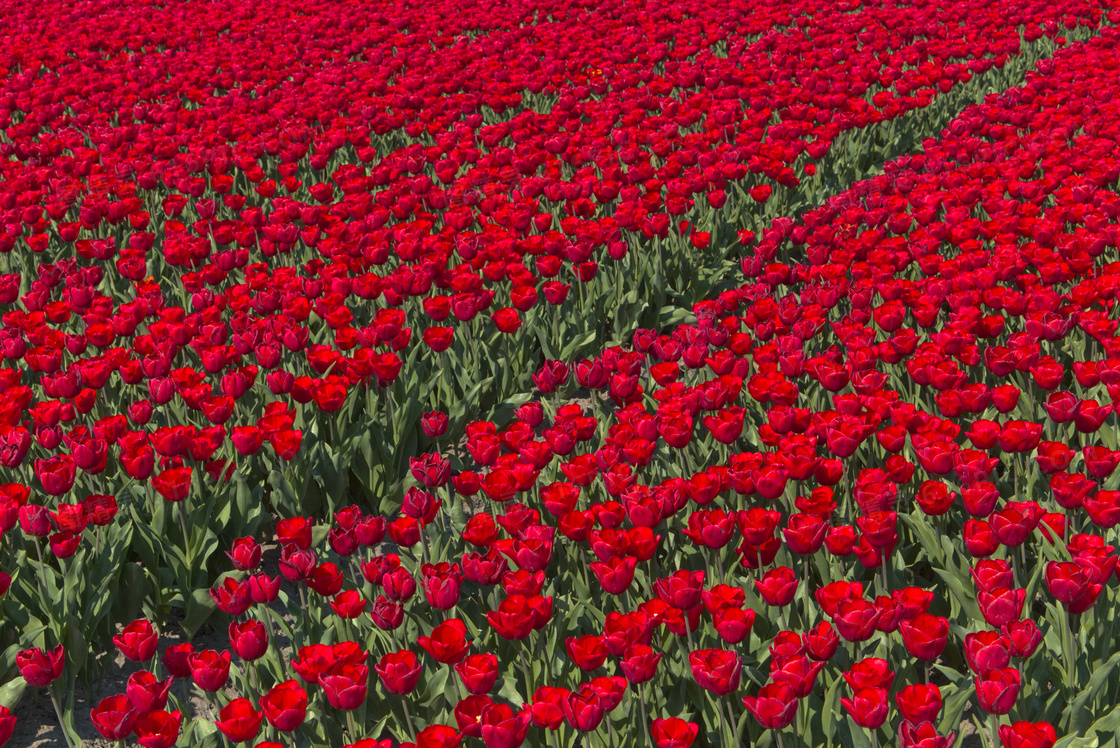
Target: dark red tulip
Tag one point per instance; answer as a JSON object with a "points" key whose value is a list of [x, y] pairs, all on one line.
{"points": [[448, 642], [285, 705], [673, 732], [925, 636], [239, 721], [716, 670], [774, 707], [868, 707], [997, 690], [114, 717], [919, 702], [1024, 734]]}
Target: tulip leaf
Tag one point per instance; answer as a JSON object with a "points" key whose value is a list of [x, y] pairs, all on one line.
{"points": [[202, 733], [831, 707], [954, 705], [1079, 709], [199, 608], [569, 351], [12, 691]]}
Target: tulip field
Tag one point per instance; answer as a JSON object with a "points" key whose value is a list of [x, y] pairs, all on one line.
{"points": [[620, 374]]}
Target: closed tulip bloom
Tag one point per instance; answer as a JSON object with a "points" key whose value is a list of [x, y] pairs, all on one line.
{"points": [[432, 736], [919, 702], [232, 597], [345, 685], [1066, 580], [923, 735], [248, 639], [514, 618], [774, 707], [616, 574], [399, 671], [1023, 638], [349, 604], [777, 586], [997, 690], [209, 669], [245, 554], [681, 590], [547, 709], [733, 624], [587, 652], [856, 618], [448, 642], [639, 663], [1001, 605], [986, 650], [716, 670], [8, 726], [583, 710], [821, 642], [285, 705], [925, 636], [478, 672], [137, 641], [872, 672], [799, 672], [805, 533], [868, 707], [239, 721], [175, 659]]}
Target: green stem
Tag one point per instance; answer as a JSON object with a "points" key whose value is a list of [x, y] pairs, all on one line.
{"points": [[408, 719], [58, 711]]}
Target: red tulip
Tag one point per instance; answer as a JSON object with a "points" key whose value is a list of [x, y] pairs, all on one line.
{"points": [[145, 693], [478, 672], [1028, 735], [868, 707], [114, 717], [345, 684], [399, 671], [673, 732], [997, 690], [925, 636], [774, 707], [209, 669], [448, 642], [285, 705], [919, 702], [239, 721], [504, 728], [157, 729], [716, 670], [40, 668]]}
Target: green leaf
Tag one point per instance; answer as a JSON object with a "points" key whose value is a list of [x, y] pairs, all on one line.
{"points": [[76, 647], [577, 345], [1079, 710], [12, 691], [200, 606], [831, 707]]}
